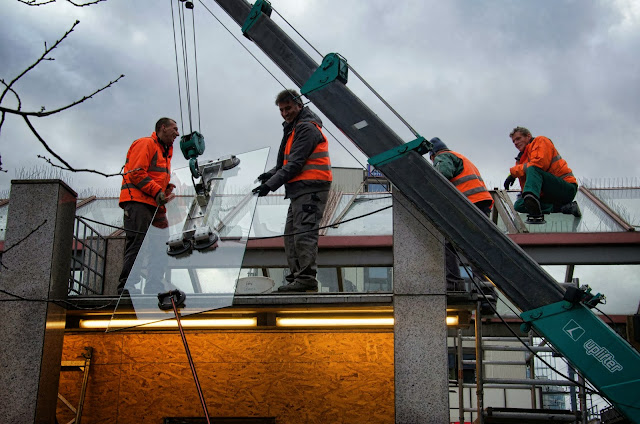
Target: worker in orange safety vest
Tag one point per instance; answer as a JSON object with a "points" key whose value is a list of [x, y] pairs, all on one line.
{"points": [[464, 175], [144, 192], [548, 184], [304, 168]]}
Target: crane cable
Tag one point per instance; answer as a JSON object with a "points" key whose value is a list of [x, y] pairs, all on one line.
{"points": [[182, 29]]}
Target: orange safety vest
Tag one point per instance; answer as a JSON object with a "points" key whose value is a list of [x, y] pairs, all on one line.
{"points": [[318, 164], [542, 153], [469, 182], [146, 171]]}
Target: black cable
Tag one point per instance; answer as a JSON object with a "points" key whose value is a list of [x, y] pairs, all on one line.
{"points": [[320, 228], [25, 299], [175, 48], [185, 63], [267, 237], [243, 46], [109, 225], [195, 53]]}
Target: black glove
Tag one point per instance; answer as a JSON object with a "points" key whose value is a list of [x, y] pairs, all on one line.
{"points": [[509, 181], [262, 190], [263, 178], [161, 198]]}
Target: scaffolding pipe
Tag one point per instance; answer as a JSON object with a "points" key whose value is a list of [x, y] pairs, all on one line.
{"points": [[460, 378], [479, 371]]}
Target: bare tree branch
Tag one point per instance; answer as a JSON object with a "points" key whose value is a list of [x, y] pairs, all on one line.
{"points": [[42, 113], [69, 168], [43, 2], [51, 112], [3, 113], [40, 59]]}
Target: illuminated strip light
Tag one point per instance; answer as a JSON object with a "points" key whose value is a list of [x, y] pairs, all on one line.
{"points": [[344, 322], [171, 323], [332, 322]]}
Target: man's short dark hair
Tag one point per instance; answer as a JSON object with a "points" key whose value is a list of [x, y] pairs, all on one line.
{"points": [[522, 130], [163, 122], [288, 95]]}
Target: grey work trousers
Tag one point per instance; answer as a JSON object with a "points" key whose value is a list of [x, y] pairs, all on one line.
{"points": [[304, 214], [455, 282], [138, 218]]}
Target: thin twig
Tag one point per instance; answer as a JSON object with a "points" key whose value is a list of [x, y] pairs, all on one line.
{"points": [[34, 2], [40, 59], [70, 168], [14, 92], [51, 112]]}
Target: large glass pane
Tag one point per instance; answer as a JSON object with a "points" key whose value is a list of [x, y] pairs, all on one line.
{"points": [[379, 223], [625, 202], [270, 216], [102, 210], [186, 255], [593, 219]]}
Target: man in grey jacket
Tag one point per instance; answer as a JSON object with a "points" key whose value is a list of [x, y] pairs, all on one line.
{"points": [[304, 168]]}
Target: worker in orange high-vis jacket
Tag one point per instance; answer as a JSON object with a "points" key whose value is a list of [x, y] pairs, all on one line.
{"points": [[144, 192], [304, 168], [464, 175], [548, 184]]}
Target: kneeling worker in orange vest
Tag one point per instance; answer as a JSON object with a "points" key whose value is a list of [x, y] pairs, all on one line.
{"points": [[464, 175], [548, 184], [304, 168]]}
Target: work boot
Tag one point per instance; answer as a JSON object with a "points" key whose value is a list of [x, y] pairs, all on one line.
{"points": [[297, 286], [571, 209], [532, 205]]}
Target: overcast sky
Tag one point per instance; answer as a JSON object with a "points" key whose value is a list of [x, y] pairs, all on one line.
{"points": [[465, 71]]}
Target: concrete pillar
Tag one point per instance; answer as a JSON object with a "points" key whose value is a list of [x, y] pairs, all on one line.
{"points": [[35, 269], [420, 331]]}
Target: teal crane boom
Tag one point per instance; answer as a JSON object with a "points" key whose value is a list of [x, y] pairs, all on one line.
{"points": [[605, 358]]}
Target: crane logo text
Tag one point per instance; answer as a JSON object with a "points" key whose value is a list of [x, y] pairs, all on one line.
{"points": [[603, 356]]}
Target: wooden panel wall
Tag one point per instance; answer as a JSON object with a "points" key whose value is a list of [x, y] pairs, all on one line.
{"points": [[297, 377]]}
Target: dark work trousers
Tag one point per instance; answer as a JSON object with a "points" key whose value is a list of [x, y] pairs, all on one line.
{"points": [[455, 282], [305, 213], [551, 190], [137, 218]]}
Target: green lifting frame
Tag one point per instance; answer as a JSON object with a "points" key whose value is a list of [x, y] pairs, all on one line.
{"points": [[593, 348], [192, 146], [420, 145], [333, 67], [259, 7]]}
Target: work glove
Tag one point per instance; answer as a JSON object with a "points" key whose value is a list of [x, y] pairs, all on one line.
{"points": [[160, 219], [161, 198], [262, 190], [169, 192], [263, 178], [509, 181]]}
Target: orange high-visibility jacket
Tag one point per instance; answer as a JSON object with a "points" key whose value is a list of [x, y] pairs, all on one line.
{"points": [[469, 182], [318, 164], [147, 171], [541, 153]]}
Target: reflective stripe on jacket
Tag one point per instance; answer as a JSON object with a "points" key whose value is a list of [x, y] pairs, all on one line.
{"points": [[318, 164], [147, 170], [541, 153], [469, 182]]}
